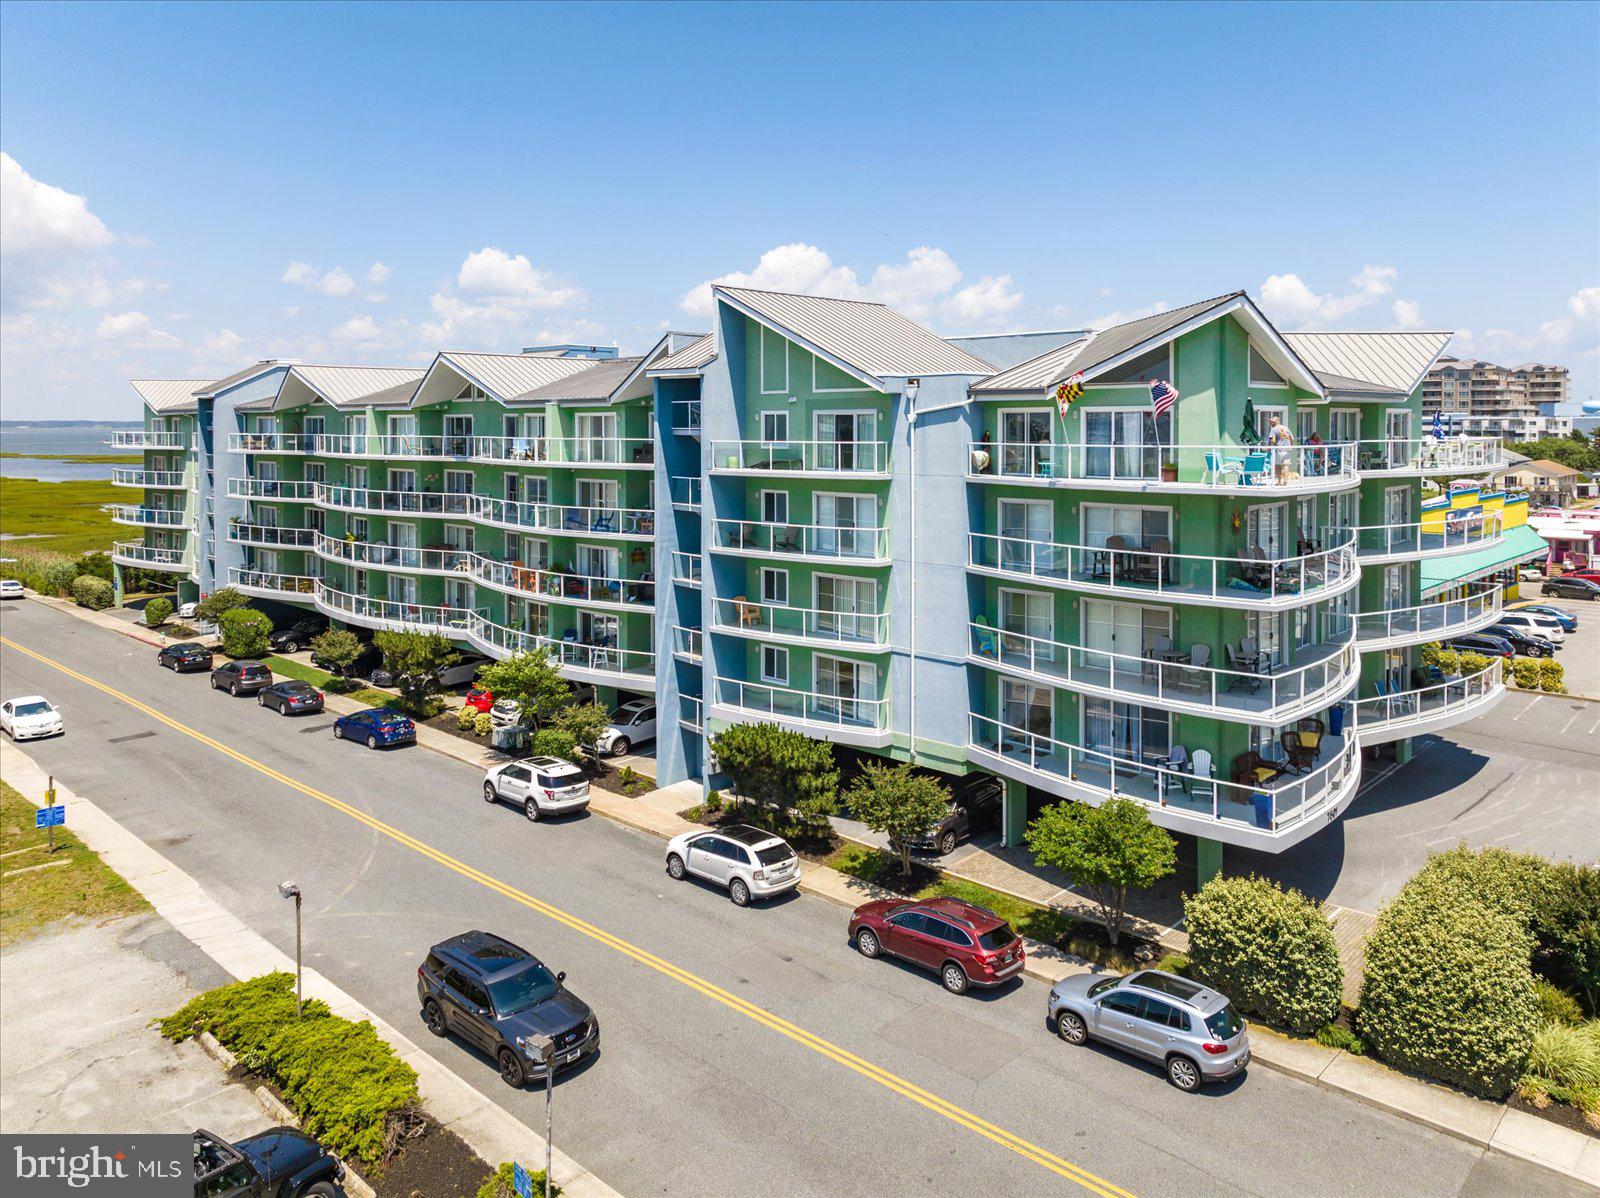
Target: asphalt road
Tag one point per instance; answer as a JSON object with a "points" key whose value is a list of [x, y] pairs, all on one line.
{"points": [[690, 1094]]}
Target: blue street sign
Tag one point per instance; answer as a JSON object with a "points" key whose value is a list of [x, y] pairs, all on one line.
{"points": [[50, 817], [521, 1181]]}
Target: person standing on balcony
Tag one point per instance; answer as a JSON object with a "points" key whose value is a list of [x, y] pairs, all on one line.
{"points": [[1281, 441]]}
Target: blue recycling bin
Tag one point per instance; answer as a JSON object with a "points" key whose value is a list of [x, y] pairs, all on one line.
{"points": [[1336, 719], [1263, 803]]}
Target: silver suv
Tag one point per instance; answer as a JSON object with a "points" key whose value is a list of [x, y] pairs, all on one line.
{"points": [[1194, 1032], [751, 862], [539, 785]]}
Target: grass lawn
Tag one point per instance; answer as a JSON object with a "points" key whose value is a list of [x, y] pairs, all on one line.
{"points": [[290, 668], [68, 513], [82, 459], [83, 886]]}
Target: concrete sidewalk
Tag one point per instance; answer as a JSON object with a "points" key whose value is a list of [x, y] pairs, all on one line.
{"points": [[488, 1129]]}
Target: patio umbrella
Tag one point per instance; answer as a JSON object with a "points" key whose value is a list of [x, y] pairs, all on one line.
{"points": [[1248, 434]]}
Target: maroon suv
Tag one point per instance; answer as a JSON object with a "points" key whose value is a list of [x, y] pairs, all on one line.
{"points": [[965, 945]]}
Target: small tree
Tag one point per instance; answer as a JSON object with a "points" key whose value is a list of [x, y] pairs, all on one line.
{"points": [[1105, 849], [779, 769], [415, 659], [586, 724], [214, 606], [531, 680], [157, 611], [96, 564], [245, 632], [337, 649], [900, 803]]}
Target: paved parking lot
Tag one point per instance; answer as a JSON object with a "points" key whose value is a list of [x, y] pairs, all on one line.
{"points": [[1524, 776], [1580, 655]]}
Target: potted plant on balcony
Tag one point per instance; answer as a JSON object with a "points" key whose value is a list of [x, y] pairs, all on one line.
{"points": [[1169, 472]]}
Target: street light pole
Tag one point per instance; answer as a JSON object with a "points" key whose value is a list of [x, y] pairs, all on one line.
{"points": [[546, 1047], [290, 890]]}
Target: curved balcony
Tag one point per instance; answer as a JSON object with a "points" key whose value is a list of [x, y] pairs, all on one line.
{"points": [[1243, 582], [687, 569], [271, 443], [866, 632], [1421, 456], [454, 622], [600, 665], [148, 517], [802, 542], [1228, 469], [1411, 713], [822, 459], [273, 490], [1273, 694], [150, 557], [685, 491], [1434, 621], [1272, 816], [150, 480], [375, 555], [300, 587], [601, 523], [394, 445], [687, 644], [1450, 532], [271, 536], [847, 721], [521, 451], [145, 438], [395, 503], [614, 594]]}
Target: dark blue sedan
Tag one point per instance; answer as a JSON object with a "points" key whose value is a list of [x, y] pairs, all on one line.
{"points": [[377, 726]]}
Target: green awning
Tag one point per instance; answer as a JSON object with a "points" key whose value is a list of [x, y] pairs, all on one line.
{"points": [[1519, 544]]}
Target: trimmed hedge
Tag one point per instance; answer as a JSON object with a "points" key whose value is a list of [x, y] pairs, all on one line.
{"points": [[552, 742], [1268, 949], [94, 593], [347, 1085], [1552, 676], [1447, 991], [157, 611], [482, 723]]}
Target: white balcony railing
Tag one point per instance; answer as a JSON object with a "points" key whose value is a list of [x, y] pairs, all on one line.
{"points": [[800, 457], [1227, 467], [1427, 455], [686, 643], [586, 589], [808, 707], [395, 445], [1236, 581], [616, 452], [685, 492], [686, 568], [150, 480], [271, 535], [802, 540], [605, 663], [148, 517], [1442, 618], [271, 443], [145, 438], [389, 503], [689, 712], [626, 523], [520, 450], [1452, 532], [148, 557], [375, 555], [264, 582], [1411, 712], [858, 630], [686, 417], [394, 614], [1259, 692], [274, 490]]}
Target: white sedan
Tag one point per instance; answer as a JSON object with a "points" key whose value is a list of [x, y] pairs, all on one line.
{"points": [[30, 718], [10, 588]]}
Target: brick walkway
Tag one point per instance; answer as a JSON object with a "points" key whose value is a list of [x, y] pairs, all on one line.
{"points": [[1350, 931]]}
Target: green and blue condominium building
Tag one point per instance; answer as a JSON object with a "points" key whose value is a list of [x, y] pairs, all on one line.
{"points": [[980, 553]]}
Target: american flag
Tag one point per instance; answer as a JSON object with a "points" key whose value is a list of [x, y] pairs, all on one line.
{"points": [[1162, 396]]}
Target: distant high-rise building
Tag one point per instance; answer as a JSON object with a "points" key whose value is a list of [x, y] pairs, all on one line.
{"points": [[1481, 398]]}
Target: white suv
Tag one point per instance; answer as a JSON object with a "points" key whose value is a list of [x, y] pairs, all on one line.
{"points": [[631, 724], [541, 785], [750, 862], [1535, 624]]}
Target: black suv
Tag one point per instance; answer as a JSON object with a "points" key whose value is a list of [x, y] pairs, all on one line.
{"points": [[190, 655], [283, 1161], [241, 677], [975, 803], [494, 995], [1521, 642], [297, 635]]}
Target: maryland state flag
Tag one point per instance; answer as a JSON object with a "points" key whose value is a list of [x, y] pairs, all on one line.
{"points": [[1068, 392]]}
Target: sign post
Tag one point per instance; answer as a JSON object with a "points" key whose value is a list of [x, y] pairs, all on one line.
{"points": [[50, 815]]}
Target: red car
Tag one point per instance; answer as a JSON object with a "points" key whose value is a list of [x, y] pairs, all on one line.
{"points": [[479, 699], [964, 944]]}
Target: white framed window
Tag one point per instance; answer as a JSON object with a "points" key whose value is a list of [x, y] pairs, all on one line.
{"points": [[774, 428], [1344, 425], [1024, 708], [1305, 424], [775, 507], [1027, 613], [1264, 529], [775, 665], [775, 586], [1264, 415], [1261, 372]]}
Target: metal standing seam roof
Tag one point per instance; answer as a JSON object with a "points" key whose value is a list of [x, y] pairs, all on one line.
{"points": [[599, 382], [872, 338], [1396, 361], [175, 396], [1036, 374], [265, 366], [357, 385], [695, 356], [507, 375]]}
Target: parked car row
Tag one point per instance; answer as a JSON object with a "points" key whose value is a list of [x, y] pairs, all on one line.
{"points": [[1572, 586], [1538, 630]]}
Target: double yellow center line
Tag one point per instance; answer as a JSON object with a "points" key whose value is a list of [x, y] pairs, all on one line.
{"points": [[783, 1027]]}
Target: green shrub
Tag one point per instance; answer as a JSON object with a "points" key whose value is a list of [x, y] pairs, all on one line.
{"points": [[1334, 1035], [714, 801], [1269, 950], [1447, 991], [483, 724], [467, 719], [552, 742], [346, 1084], [96, 565], [1552, 676], [501, 1185], [55, 578], [1555, 1004], [94, 593], [1525, 673], [1504, 880], [1448, 661], [1566, 1054], [1566, 923], [157, 611], [1472, 663], [1177, 963], [245, 632]]}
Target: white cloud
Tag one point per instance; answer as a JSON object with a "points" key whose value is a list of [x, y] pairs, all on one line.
{"points": [[378, 274], [292, 311], [220, 353], [795, 267], [336, 282], [27, 331], [494, 273], [1123, 316], [913, 286], [990, 300], [1289, 301], [53, 251], [1407, 314], [496, 295], [362, 330], [1575, 334], [134, 330]]}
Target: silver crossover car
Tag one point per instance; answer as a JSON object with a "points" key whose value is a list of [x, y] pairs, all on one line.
{"points": [[1194, 1032]]}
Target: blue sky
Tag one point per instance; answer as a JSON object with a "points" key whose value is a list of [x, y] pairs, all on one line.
{"points": [[190, 188]]}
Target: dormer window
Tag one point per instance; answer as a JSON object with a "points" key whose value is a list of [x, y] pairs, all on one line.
{"points": [[1261, 372]]}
